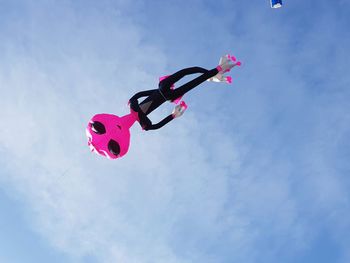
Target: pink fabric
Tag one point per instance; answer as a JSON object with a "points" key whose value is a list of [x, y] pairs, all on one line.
{"points": [[176, 101], [99, 143], [183, 104], [233, 58]]}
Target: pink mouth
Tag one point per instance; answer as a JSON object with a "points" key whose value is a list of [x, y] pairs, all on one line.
{"points": [[92, 148]]}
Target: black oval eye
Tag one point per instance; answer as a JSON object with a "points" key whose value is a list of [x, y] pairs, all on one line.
{"points": [[120, 127], [114, 147], [98, 127]]}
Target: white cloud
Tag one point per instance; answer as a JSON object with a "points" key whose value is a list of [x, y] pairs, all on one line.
{"points": [[83, 204]]}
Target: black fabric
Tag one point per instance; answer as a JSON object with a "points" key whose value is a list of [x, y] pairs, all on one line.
{"points": [[159, 124], [98, 127], [114, 147], [158, 96]]}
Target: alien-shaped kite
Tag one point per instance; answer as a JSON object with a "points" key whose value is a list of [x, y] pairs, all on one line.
{"points": [[108, 135]]}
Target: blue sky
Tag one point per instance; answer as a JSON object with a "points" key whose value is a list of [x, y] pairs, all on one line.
{"points": [[257, 171]]}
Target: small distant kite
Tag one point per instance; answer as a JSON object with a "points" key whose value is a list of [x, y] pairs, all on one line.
{"points": [[276, 3], [108, 135]]}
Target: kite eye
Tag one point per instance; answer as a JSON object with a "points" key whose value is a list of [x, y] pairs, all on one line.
{"points": [[98, 128], [114, 147], [120, 127]]}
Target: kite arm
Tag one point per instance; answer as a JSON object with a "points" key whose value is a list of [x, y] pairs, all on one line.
{"points": [[134, 105], [142, 94], [177, 112], [160, 124]]}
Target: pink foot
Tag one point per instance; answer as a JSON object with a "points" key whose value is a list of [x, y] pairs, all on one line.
{"points": [[233, 58]]}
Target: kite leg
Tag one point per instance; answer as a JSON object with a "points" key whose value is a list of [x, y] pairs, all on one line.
{"points": [[180, 91], [165, 84]]}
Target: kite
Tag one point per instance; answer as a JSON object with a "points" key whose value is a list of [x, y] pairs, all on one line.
{"points": [[109, 135], [276, 3]]}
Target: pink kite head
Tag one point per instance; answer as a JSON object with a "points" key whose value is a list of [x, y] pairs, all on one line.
{"points": [[108, 135]]}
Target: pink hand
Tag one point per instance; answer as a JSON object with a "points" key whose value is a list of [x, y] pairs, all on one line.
{"points": [[183, 104]]}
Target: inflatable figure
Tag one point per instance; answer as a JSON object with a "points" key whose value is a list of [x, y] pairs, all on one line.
{"points": [[108, 135]]}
